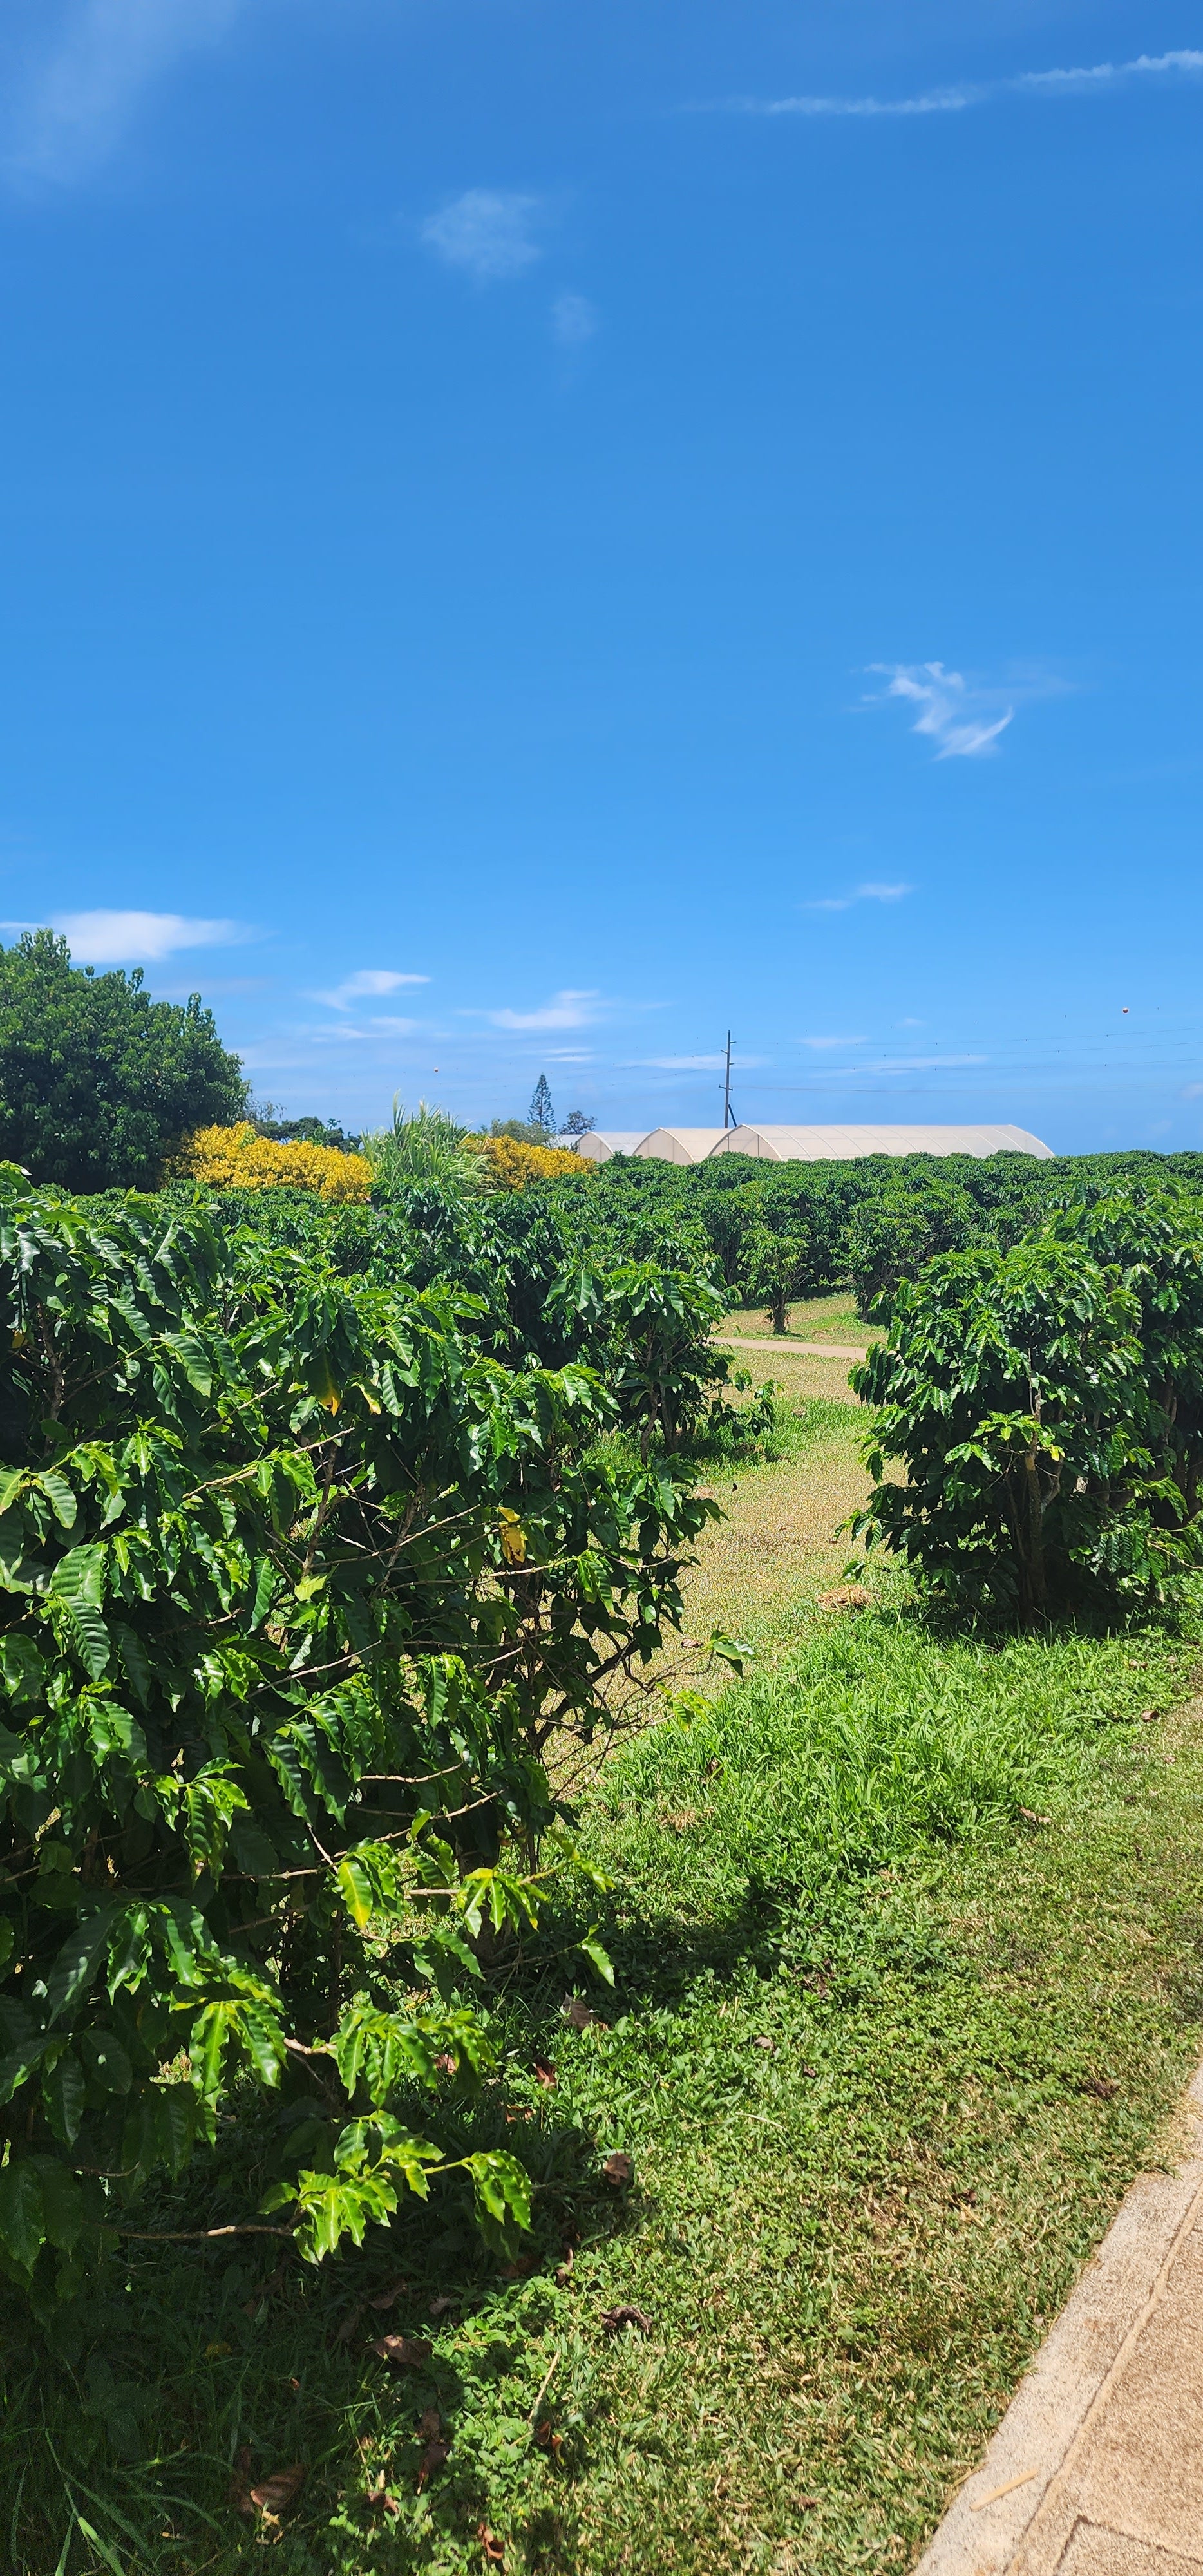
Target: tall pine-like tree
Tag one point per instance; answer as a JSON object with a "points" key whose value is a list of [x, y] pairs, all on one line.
{"points": [[541, 1112]]}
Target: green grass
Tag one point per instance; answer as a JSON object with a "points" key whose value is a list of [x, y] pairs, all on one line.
{"points": [[884, 2054]]}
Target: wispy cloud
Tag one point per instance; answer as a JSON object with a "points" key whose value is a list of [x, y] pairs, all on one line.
{"points": [[832, 1042], [564, 1011], [488, 231], [871, 893], [960, 719], [573, 320], [137, 938], [695, 1063], [369, 983], [1082, 80], [86, 85]]}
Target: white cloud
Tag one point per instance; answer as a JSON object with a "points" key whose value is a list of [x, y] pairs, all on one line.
{"points": [[861, 894], [368, 983], [832, 1042], [574, 320], [1086, 76], [957, 718], [696, 1063], [930, 102], [1080, 80], [487, 231], [564, 1011], [137, 938], [402, 1028], [85, 88]]}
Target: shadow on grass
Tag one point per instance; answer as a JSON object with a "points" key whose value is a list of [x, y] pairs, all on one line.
{"points": [[119, 2452], [194, 2371]]}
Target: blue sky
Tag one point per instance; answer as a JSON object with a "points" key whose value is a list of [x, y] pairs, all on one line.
{"points": [[534, 531]]}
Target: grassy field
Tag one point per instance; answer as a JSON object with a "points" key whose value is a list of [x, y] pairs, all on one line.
{"points": [[907, 1936]]}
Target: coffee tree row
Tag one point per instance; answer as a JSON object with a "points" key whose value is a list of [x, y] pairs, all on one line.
{"points": [[1046, 1405], [297, 1586]]}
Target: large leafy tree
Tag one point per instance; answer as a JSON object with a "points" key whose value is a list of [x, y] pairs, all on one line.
{"points": [[97, 1081]]}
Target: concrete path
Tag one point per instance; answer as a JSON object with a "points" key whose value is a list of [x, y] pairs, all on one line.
{"points": [[1097, 2467], [783, 1343]]}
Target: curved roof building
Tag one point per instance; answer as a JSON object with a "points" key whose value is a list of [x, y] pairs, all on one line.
{"points": [[680, 1144], [847, 1144], [803, 1144], [597, 1146]]}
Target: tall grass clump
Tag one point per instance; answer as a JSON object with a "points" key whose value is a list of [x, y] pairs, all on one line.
{"points": [[422, 1144]]}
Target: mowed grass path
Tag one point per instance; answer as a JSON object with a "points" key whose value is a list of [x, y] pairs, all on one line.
{"points": [[809, 1319], [884, 2052]]}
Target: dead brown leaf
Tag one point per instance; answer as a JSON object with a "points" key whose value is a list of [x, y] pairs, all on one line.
{"points": [[440, 2304], [345, 2331], [518, 2270], [618, 2169], [274, 2493], [762, 2042], [1030, 1817], [388, 2298], [380, 2498], [614, 2319], [438, 2448], [581, 2015], [564, 2269], [1102, 2086], [547, 2440], [493, 2548], [545, 2073], [406, 2352], [1148, 1716]]}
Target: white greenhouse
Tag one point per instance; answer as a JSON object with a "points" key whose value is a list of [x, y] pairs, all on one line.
{"points": [[804, 1144]]}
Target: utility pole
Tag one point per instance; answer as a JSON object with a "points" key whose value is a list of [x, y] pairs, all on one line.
{"points": [[729, 1117]]}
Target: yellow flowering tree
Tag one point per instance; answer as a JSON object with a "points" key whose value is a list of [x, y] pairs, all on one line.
{"points": [[239, 1158], [507, 1165]]}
